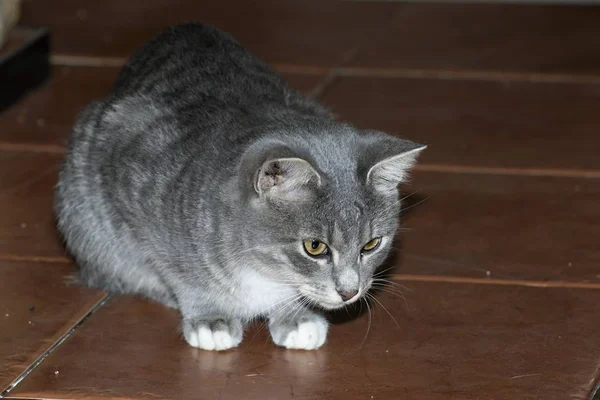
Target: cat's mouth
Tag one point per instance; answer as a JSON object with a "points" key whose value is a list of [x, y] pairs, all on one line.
{"points": [[331, 301], [330, 306]]}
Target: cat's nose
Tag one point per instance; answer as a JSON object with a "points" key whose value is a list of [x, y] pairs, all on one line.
{"points": [[347, 294]]}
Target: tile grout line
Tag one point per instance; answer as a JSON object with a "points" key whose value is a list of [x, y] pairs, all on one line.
{"points": [[406, 277], [65, 60], [34, 148], [37, 259], [55, 345], [367, 72], [324, 84], [524, 171], [302, 69], [495, 281], [45, 398], [318, 91], [321, 88], [470, 75]]}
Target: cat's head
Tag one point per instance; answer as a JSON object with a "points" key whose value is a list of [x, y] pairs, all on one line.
{"points": [[322, 211]]}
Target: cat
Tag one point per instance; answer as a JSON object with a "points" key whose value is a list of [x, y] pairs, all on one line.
{"points": [[204, 182]]}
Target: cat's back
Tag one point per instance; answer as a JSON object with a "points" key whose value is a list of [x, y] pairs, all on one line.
{"points": [[195, 62]]}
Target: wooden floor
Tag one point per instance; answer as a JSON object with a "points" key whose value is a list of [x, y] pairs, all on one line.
{"points": [[500, 264]]}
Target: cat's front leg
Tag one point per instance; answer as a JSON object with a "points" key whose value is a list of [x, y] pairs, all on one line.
{"points": [[207, 324], [305, 330], [213, 333]]}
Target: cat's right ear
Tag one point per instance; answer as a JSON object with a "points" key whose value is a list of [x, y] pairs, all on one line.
{"points": [[286, 179]]}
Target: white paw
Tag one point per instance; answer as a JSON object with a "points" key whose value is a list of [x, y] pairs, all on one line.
{"points": [[205, 338], [309, 335]]}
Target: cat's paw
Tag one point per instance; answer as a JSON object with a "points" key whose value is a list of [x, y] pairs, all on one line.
{"points": [[215, 334], [305, 333]]}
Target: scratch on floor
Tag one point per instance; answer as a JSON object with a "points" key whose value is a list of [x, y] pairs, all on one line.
{"points": [[524, 376]]}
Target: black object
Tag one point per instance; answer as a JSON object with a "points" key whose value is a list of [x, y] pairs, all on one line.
{"points": [[596, 391], [24, 63]]}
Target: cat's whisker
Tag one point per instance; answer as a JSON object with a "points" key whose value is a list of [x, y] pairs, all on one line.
{"points": [[260, 328], [392, 288], [289, 308], [388, 290], [288, 302], [397, 202], [396, 285], [303, 304], [414, 204], [383, 271], [385, 309], [388, 208], [369, 323], [407, 196], [397, 294], [384, 281]]}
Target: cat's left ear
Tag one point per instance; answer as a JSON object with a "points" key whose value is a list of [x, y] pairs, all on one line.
{"points": [[388, 161], [289, 178]]}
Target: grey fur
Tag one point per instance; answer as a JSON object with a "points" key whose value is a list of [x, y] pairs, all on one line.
{"points": [[197, 179]]}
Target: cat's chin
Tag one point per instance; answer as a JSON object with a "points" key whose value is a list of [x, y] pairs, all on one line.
{"points": [[331, 306], [328, 305], [317, 299], [336, 306]]}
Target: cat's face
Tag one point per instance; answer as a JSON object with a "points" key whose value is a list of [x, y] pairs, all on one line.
{"points": [[325, 235], [335, 244]]}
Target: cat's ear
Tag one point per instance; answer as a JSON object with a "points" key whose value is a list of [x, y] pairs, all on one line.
{"points": [[287, 178], [389, 161]]}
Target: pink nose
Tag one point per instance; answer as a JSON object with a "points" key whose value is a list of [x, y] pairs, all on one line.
{"points": [[347, 294]]}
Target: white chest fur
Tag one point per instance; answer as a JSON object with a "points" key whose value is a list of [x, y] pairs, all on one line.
{"points": [[261, 295]]}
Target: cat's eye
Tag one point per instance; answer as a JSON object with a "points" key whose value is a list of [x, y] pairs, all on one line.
{"points": [[315, 248], [372, 245]]}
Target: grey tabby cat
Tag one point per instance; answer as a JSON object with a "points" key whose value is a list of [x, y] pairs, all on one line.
{"points": [[204, 182]]}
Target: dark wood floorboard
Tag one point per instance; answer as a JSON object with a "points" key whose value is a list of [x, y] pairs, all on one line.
{"points": [[496, 281]]}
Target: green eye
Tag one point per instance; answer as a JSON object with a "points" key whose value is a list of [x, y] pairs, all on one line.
{"points": [[372, 245], [315, 248]]}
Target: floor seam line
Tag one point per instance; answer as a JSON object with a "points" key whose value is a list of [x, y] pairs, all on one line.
{"points": [[54, 346], [319, 91], [467, 75], [325, 84], [66, 60], [518, 171], [34, 148], [494, 281], [36, 259]]}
